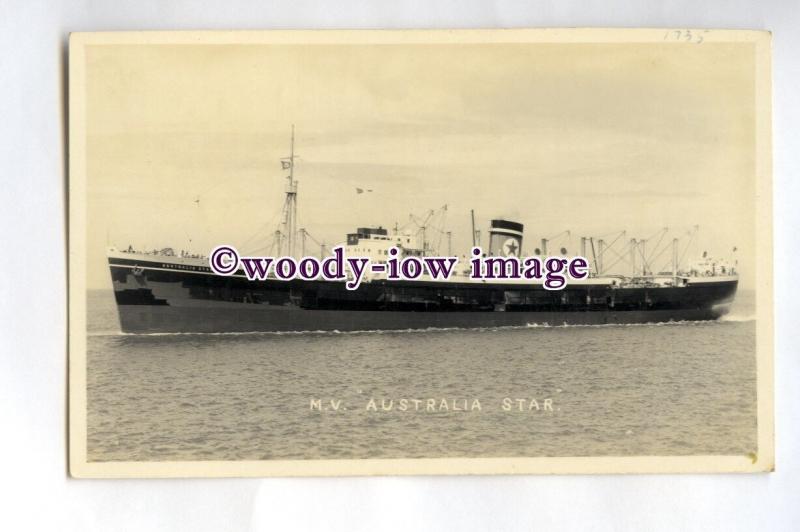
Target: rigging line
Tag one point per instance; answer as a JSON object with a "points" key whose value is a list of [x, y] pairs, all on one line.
{"points": [[653, 235], [206, 190], [622, 257], [686, 249], [664, 232], [649, 263], [667, 264], [657, 255], [259, 233], [611, 245], [442, 231], [317, 242], [259, 244], [653, 255], [617, 253], [420, 221], [666, 246], [646, 264], [559, 235], [611, 233], [269, 245], [309, 235], [404, 227]]}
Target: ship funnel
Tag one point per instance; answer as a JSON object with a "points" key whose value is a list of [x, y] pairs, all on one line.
{"points": [[505, 238]]}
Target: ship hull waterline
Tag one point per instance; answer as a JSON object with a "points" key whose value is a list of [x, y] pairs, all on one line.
{"points": [[165, 319]]}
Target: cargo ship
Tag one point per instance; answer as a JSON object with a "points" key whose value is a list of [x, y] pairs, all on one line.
{"points": [[164, 291]]}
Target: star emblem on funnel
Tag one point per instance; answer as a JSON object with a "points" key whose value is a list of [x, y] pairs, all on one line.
{"points": [[512, 247]]}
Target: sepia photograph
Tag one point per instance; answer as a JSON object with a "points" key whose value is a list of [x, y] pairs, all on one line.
{"points": [[298, 253]]}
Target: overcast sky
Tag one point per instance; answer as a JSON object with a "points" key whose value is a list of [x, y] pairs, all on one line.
{"points": [[593, 138]]}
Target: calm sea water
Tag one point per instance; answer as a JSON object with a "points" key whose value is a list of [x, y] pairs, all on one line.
{"points": [[670, 389]]}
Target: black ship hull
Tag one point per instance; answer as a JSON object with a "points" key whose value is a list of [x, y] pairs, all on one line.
{"points": [[167, 296], [215, 319]]}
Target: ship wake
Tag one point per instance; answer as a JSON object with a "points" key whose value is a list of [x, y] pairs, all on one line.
{"points": [[543, 325], [738, 318]]}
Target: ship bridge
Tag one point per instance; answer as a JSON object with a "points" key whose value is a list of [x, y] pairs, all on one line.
{"points": [[375, 243]]}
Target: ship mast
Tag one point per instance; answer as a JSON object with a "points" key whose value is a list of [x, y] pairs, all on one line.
{"points": [[287, 245], [472, 214]]}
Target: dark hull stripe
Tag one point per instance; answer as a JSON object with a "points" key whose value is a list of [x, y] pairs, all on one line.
{"points": [[166, 319]]}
